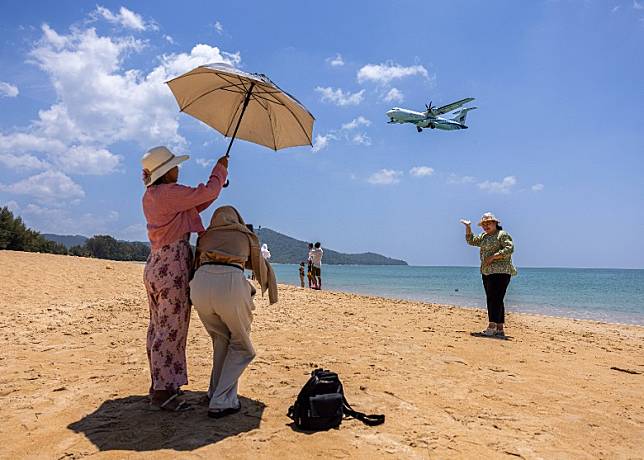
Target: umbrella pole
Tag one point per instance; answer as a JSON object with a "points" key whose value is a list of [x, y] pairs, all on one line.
{"points": [[246, 100]]}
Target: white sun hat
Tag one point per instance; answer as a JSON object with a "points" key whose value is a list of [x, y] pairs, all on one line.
{"points": [[158, 161], [488, 217]]}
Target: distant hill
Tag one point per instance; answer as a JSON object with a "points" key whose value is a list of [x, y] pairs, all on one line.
{"points": [[284, 249], [287, 250], [66, 240]]}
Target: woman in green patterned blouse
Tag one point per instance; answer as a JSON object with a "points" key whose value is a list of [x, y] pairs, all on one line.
{"points": [[496, 267]]}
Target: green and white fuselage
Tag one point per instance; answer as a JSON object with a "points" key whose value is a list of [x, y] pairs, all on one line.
{"points": [[431, 118]]}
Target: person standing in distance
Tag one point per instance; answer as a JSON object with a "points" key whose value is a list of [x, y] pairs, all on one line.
{"points": [[316, 259], [496, 267]]}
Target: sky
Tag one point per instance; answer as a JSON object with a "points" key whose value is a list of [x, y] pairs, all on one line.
{"points": [[555, 148]]}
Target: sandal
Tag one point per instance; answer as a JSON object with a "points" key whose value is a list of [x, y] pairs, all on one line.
{"points": [[489, 332], [165, 406], [219, 413]]}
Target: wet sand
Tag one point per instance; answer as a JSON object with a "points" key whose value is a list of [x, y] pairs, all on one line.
{"points": [[74, 376]]}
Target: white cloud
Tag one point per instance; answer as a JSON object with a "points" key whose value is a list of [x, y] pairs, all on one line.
{"points": [[322, 141], [345, 133], [499, 187], [615, 9], [99, 102], [85, 159], [637, 5], [12, 206], [204, 162], [22, 162], [361, 139], [49, 186], [537, 187], [8, 90], [125, 18], [456, 179], [60, 220], [387, 72], [336, 61], [394, 95], [134, 232], [169, 39], [421, 171], [385, 177], [356, 122], [73, 159], [339, 97], [219, 28]]}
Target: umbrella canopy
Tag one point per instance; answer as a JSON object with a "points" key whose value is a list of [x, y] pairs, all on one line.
{"points": [[243, 105]]}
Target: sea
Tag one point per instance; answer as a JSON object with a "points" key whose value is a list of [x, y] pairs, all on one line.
{"points": [[608, 295]]}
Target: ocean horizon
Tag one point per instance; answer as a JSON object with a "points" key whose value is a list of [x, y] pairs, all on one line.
{"points": [[602, 294]]}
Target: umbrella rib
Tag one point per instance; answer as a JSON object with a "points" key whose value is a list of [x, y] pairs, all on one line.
{"points": [[299, 123], [275, 101], [270, 119], [256, 99], [230, 123], [267, 107], [197, 98], [232, 83]]}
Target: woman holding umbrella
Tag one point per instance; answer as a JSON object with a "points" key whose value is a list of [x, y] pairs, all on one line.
{"points": [[172, 213], [496, 268]]}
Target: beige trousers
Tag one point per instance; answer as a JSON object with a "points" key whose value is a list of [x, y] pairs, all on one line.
{"points": [[222, 297]]}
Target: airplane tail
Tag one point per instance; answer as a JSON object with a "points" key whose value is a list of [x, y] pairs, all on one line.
{"points": [[462, 114]]}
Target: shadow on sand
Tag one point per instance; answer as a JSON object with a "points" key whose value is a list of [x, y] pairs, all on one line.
{"points": [[128, 424]]}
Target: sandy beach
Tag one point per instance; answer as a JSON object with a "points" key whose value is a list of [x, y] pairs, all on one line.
{"points": [[75, 377]]}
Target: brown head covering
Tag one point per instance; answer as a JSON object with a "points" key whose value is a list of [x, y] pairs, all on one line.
{"points": [[228, 240]]}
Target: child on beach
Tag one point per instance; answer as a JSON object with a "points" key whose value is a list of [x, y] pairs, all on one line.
{"points": [[309, 275], [301, 274]]}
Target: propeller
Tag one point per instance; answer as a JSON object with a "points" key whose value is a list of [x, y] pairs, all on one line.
{"points": [[429, 107]]}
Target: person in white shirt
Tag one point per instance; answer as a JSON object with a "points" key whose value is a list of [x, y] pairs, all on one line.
{"points": [[315, 255]]}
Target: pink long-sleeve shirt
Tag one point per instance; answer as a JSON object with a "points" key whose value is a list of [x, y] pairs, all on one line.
{"points": [[172, 210]]}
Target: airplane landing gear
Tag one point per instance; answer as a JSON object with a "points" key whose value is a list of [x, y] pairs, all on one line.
{"points": [[432, 125], [419, 129]]}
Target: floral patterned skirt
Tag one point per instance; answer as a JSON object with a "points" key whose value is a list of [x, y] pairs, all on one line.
{"points": [[166, 277]]}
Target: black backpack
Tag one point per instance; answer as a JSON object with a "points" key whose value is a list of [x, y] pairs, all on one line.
{"points": [[321, 404]]}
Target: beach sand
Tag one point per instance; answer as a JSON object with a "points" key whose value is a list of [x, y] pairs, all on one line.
{"points": [[74, 376]]}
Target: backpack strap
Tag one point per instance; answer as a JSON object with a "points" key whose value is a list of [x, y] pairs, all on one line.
{"points": [[371, 420]]}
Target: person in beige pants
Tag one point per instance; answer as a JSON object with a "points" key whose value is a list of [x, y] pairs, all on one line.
{"points": [[223, 299]]}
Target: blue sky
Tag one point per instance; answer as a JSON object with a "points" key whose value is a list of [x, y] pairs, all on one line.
{"points": [[555, 149]]}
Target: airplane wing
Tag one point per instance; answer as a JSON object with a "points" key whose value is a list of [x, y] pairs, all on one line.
{"points": [[452, 106]]}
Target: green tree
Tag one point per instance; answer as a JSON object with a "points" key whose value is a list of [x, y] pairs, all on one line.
{"points": [[14, 235]]}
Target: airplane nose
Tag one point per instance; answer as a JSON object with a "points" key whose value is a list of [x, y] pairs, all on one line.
{"points": [[390, 113]]}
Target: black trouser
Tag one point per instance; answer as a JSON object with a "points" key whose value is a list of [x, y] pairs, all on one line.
{"points": [[495, 286]]}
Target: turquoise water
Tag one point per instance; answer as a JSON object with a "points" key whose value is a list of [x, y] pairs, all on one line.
{"points": [[601, 294]]}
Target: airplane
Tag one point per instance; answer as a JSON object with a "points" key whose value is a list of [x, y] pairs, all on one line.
{"points": [[431, 118]]}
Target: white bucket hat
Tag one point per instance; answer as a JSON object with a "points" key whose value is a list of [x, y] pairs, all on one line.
{"points": [[488, 217], [158, 161]]}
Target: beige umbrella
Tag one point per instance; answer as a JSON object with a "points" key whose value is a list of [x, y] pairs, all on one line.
{"points": [[244, 105]]}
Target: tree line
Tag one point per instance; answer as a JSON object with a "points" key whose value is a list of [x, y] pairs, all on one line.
{"points": [[16, 236]]}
